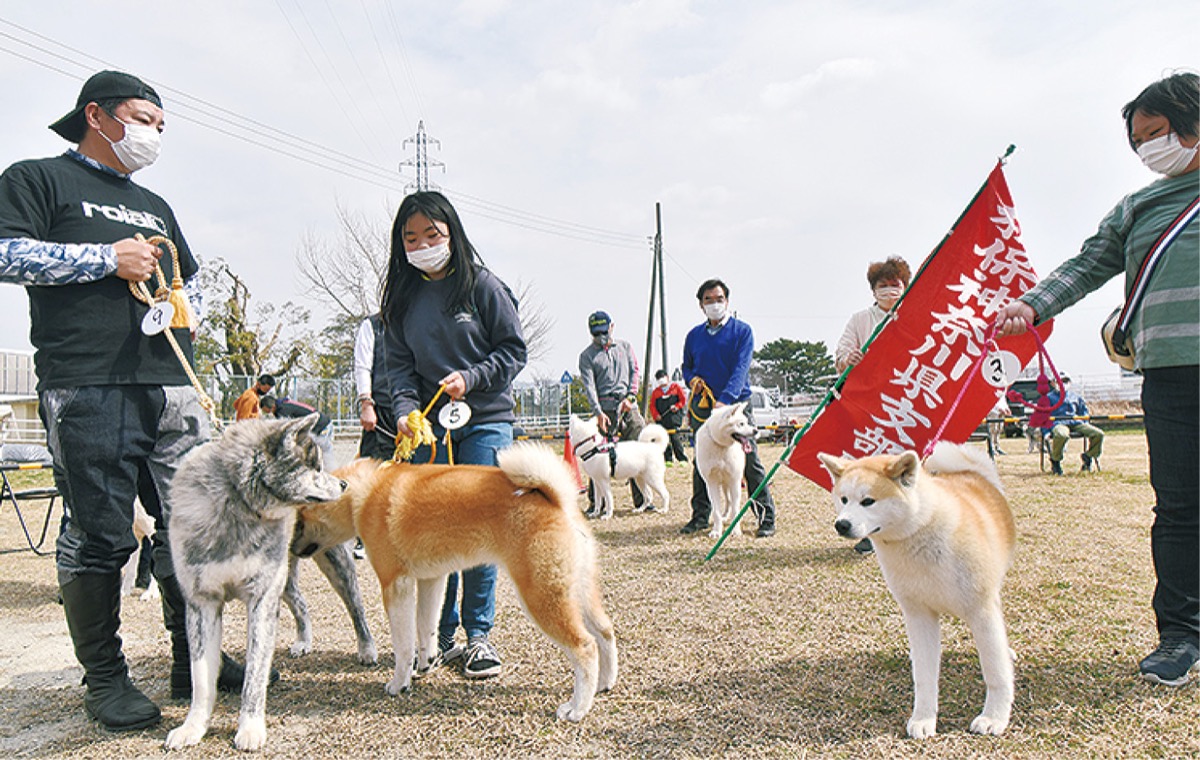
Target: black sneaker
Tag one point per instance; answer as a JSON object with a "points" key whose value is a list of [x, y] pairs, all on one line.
{"points": [[360, 551], [693, 526], [864, 547], [481, 660], [1056, 467], [765, 531], [449, 657], [1087, 463], [1172, 664]]}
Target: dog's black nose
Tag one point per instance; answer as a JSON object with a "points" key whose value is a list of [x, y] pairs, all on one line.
{"points": [[842, 527], [343, 484]]}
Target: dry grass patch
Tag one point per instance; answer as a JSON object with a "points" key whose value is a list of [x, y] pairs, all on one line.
{"points": [[785, 647]]}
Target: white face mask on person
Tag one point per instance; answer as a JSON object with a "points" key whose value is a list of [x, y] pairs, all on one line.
{"points": [[600, 339], [430, 260], [888, 293], [1166, 155], [716, 311], [138, 148], [662, 382]]}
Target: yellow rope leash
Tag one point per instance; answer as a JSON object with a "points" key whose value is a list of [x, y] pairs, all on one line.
{"points": [[182, 318], [422, 433], [701, 398]]}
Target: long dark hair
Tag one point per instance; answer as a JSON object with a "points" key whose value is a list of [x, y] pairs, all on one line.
{"points": [[403, 278]]}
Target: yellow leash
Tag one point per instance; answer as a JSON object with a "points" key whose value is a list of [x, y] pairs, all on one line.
{"points": [[422, 433], [182, 318], [701, 398]]}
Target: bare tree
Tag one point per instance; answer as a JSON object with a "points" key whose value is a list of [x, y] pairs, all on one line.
{"points": [[346, 274]]}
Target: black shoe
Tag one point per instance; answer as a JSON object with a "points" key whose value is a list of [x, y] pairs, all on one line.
{"points": [[1056, 467], [1172, 664], [693, 526], [765, 531], [92, 604], [864, 547], [1087, 463]]}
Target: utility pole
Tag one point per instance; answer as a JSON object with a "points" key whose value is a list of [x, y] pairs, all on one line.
{"points": [[421, 161], [657, 293]]}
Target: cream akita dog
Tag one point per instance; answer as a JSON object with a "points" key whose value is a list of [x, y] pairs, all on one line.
{"points": [[944, 536], [642, 460], [721, 460]]}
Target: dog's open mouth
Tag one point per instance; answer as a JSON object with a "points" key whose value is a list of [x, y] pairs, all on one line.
{"points": [[746, 441]]}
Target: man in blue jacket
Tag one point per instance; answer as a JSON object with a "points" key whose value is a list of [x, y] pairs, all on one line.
{"points": [[719, 351]]}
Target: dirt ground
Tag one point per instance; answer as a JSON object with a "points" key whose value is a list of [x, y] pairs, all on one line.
{"points": [[781, 647]]}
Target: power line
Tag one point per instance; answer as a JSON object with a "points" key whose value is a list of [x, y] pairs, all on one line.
{"points": [[237, 126]]}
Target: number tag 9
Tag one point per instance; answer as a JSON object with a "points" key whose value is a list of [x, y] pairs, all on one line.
{"points": [[158, 318]]}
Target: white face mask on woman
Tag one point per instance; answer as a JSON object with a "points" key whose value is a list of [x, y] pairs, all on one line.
{"points": [[1166, 155], [430, 260], [138, 148]]}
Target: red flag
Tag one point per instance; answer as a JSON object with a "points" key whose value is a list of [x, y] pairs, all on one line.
{"points": [[572, 462], [916, 367]]}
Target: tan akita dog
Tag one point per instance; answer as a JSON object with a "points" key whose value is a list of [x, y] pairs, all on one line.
{"points": [[420, 522]]}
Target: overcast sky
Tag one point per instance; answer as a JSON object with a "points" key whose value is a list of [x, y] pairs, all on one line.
{"points": [[789, 143]]}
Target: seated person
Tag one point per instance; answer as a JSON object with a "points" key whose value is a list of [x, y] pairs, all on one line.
{"points": [[1063, 426]]}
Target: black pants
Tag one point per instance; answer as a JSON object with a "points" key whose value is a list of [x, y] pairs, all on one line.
{"points": [[676, 449], [1171, 402], [376, 443]]}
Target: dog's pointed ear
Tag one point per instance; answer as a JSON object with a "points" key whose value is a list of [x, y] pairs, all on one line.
{"points": [[835, 465], [904, 469], [303, 426]]}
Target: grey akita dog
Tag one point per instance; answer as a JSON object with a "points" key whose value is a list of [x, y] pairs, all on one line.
{"points": [[233, 515]]}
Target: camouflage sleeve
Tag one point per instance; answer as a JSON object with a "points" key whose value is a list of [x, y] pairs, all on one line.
{"points": [[35, 262]]}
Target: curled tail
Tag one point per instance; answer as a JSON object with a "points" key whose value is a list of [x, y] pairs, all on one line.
{"points": [[536, 467], [952, 457], [655, 434]]}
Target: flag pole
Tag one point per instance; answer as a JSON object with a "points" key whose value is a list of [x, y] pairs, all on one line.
{"points": [[837, 384]]}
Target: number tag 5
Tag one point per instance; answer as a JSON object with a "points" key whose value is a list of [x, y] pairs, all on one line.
{"points": [[454, 415]]}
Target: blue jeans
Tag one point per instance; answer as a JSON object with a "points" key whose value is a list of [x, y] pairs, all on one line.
{"points": [[1171, 402], [473, 444], [100, 437]]}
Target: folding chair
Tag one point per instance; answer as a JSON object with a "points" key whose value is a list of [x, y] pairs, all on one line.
{"points": [[14, 497]]}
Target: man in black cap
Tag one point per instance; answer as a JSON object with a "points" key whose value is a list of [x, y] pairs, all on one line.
{"points": [[114, 398], [609, 372]]}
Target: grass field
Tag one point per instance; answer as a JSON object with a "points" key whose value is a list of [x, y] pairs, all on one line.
{"points": [[784, 647]]}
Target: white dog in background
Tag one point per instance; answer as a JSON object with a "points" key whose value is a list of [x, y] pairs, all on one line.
{"points": [[721, 460], [944, 536], [642, 460], [143, 527]]}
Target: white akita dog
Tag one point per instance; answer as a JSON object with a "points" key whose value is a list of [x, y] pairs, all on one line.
{"points": [[642, 460], [721, 460], [944, 536]]}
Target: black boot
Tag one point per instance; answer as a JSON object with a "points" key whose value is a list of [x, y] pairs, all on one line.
{"points": [[232, 673], [92, 604]]}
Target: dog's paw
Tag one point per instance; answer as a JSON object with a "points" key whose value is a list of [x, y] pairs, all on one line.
{"points": [[606, 515], [367, 654], [569, 713], [151, 593], [251, 734], [922, 728], [715, 532], [396, 687], [988, 726], [300, 648], [185, 736]]}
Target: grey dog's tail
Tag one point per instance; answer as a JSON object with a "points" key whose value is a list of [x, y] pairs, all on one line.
{"points": [[536, 467]]}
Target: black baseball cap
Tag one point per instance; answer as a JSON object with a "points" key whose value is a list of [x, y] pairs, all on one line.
{"points": [[102, 86], [599, 322]]}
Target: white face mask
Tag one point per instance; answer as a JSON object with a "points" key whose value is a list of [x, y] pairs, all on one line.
{"points": [[716, 311], [138, 148], [662, 382], [600, 339], [888, 293], [430, 260], [1166, 155]]}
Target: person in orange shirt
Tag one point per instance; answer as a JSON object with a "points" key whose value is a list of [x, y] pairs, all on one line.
{"points": [[246, 406]]}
